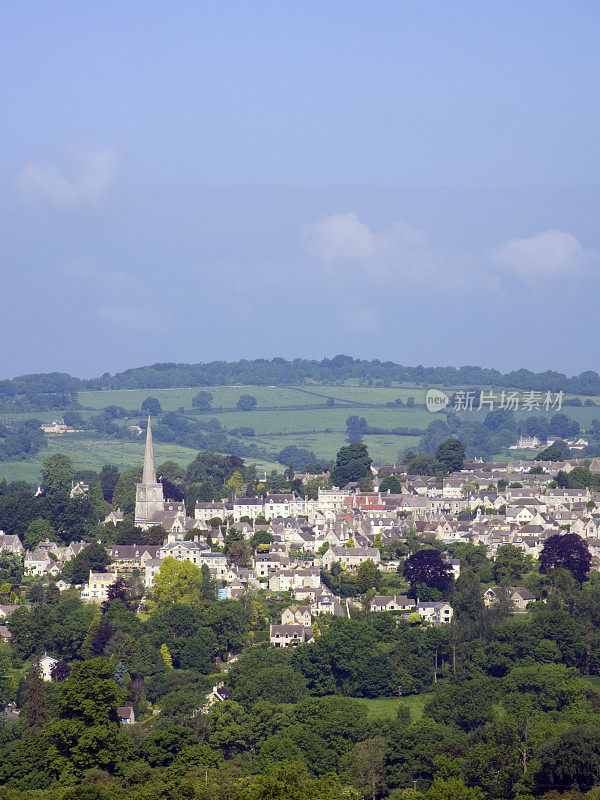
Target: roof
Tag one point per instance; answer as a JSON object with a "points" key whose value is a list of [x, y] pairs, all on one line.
{"points": [[287, 630], [384, 599], [132, 550]]}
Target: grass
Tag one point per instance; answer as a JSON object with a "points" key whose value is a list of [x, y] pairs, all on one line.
{"points": [[172, 399], [381, 709], [94, 453], [285, 415]]}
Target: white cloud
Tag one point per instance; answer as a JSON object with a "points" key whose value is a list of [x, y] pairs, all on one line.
{"points": [[343, 243], [90, 177], [339, 236], [547, 254]]}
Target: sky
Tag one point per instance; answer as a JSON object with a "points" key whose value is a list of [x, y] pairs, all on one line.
{"points": [[409, 180]]}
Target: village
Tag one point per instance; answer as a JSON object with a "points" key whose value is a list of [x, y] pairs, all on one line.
{"points": [[490, 504]]}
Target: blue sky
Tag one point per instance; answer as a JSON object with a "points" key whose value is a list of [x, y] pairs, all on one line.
{"points": [[189, 181]]}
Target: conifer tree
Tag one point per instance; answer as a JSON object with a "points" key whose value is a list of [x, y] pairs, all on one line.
{"points": [[35, 704]]}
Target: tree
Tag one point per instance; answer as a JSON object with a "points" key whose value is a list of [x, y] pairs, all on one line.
{"points": [[510, 564], [124, 494], [451, 455], [566, 551], [86, 734], [116, 591], [151, 405], [199, 651], [352, 463], [235, 486], [166, 656], [60, 671], [90, 693], [452, 789], [239, 553], [38, 530], [171, 471], [561, 425], [365, 764], [468, 705], [559, 451], [296, 457], [74, 420], [367, 576], [420, 464], [177, 582], [390, 484], [92, 558], [57, 474], [572, 761], [246, 402], [35, 705], [109, 477], [467, 599], [428, 567], [356, 427], [202, 401]]}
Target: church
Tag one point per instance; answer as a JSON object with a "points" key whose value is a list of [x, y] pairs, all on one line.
{"points": [[151, 508]]}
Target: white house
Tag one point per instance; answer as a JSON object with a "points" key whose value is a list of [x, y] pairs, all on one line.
{"points": [[46, 664], [436, 613], [391, 602]]}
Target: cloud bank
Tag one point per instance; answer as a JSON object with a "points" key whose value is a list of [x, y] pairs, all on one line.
{"points": [[342, 242], [344, 246], [548, 254]]}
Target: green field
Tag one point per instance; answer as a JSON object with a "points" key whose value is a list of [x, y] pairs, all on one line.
{"points": [[94, 453], [284, 415], [386, 708], [223, 397]]}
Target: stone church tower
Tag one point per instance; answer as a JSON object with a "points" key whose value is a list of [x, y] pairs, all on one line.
{"points": [[149, 497]]}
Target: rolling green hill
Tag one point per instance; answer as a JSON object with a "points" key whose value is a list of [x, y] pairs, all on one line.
{"points": [[312, 417]]}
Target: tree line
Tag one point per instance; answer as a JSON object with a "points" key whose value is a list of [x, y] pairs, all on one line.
{"points": [[279, 371]]}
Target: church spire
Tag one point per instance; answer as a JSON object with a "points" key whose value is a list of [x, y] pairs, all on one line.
{"points": [[149, 474]]}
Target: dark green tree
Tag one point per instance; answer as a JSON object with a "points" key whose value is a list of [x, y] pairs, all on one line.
{"points": [[558, 451], [352, 463], [367, 577], [356, 427], [572, 761], [202, 401], [246, 402], [35, 704], [109, 477], [390, 484], [152, 406], [510, 564], [57, 474], [92, 558], [566, 551], [451, 455], [428, 567]]}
